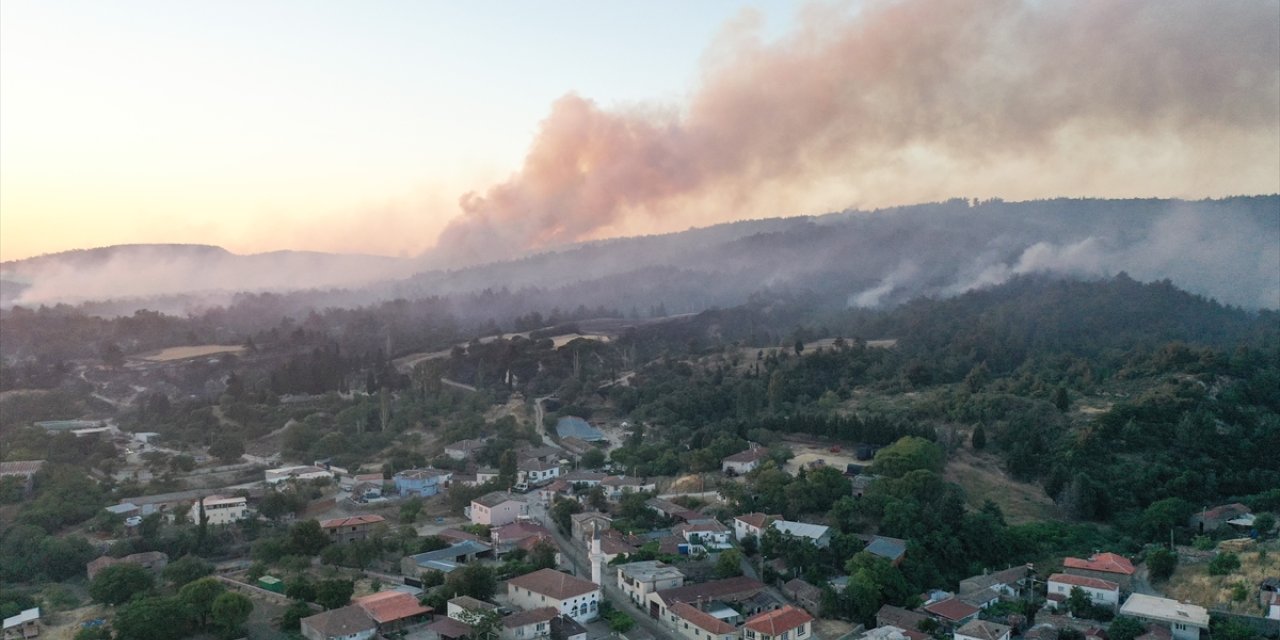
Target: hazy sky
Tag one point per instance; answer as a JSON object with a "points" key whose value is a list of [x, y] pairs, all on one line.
{"points": [[358, 126]]}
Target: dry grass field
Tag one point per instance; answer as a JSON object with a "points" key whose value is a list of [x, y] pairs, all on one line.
{"points": [[182, 353], [1192, 582], [982, 479]]}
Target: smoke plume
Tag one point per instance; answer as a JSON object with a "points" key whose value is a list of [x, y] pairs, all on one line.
{"points": [[911, 100]]}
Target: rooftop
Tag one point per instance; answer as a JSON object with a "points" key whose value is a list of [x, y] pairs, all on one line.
{"points": [[953, 609], [553, 584], [1105, 562], [778, 621], [532, 616], [421, 474], [1084, 581], [20, 467], [899, 617], [346, 621], [733, 589], [496, 498], [26, 616], [700, 619], [472, 604], [649, 570], [891, 548], [750, 455], [1164, 609], [983, 629], [801, 529], [390, 606], [1008, 576], [757, 520], [802, 589], [519, 531], [351, 522]]}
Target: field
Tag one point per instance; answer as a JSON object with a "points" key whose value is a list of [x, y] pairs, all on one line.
{"points": [[805, 454], [1192, 582], [982, 479], [182, 353]]}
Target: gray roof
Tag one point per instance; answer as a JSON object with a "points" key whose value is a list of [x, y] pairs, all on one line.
{"points": [[649, 570], [891, 548], [496, 498], [801, 529], [451, 553], [342, 622]]}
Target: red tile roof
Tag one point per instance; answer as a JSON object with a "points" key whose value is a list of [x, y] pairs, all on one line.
{"points": [[519, 531], [757, 520], [1225, 511], [553, 584], [702, 620], [779, 620], [953, 609], [390, 606], [1105, 562], [1084, 581], [351, 522]]}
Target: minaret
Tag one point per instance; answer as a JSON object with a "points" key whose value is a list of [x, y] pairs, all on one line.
{"points": [[597, 556]]}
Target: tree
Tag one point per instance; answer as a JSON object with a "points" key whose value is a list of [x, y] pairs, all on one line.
{"points": [[562, 513], [306, 538], [979, 439], [1125, 628], [227, 449], [1079, 603], [293, 614], [507, 468], [332, 594], [300, 589], [592, 459], [199, 596], [750, 544], [1060, 399], [542, 555], [1161, 563], [186, 569], [485, 624], [152, 619], [473, 580], [410, 510], [230, 611], [1224, 564], [908, 454], [1264, 523], [119, 582], [729, 564]]}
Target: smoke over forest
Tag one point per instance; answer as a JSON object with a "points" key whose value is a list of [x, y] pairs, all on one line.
{"points": [[1021, 99]]}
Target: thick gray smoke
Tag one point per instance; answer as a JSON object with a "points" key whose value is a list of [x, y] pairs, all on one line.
{"points": [[911, 100]]}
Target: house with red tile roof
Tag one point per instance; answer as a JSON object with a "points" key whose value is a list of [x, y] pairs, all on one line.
{"points": [[785, 623], [744, 461], [1212, 519], [524, 625], [346, 530], [393, 610], [577, 598], [1106, 566], [752, 524], [695, 624], [952, 611], [983, 630]]}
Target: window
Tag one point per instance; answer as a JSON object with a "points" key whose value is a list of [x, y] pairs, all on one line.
{"points": [[801, 631], [783, 636]]}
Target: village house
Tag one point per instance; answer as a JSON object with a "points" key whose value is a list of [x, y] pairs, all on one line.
{"points": [[1104, 566], [565, 628], [497, 508], [952, 611], [744, 462], [894, 633], [639, 579], [526, 625], [1215, 518], [463, 449], [444, 560], [510, 536], [423, 483], [613, 544], [695, 624], [891, 549], [393, 611], [891, 616], [983, 630], [23, 625], [532, 471], [346, 530], [1010, 583], [860, 483], [459, 607], [347, 482], [153, 561], [615, 486], [1101, 592], [672, 510], [23, 470], [585, 478], [582, 524], [751, 524], [981, 599], [1269, 597], [817, 534], [707, 533], [785, 623], [345, 623], [296, 473], [577, 598], [804, 594], [1184, 621], [220, 510], [728, 590]]}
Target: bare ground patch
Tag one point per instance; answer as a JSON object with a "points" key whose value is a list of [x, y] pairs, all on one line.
{"points": [[982, 479], [1192, 582], [182, 353]]}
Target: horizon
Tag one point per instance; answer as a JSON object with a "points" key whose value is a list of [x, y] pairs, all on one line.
{"points": [[364, 131]]}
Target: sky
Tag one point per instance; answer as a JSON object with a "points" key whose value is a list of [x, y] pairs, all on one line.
{"points": [[493, 128]]}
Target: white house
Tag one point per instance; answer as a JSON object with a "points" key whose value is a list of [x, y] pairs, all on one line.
{"points": [[533, 471], [708, 533], [1185, 621], [346, 623], [785, 623], [983, 630], [1102, 592], [497, 508], [639, 579], [574, 597], [744, 461], [819, 535], [528, 625], [220, 509], [615, 486], [752, 524], [694, 624], [463, 449], [23, 625]]}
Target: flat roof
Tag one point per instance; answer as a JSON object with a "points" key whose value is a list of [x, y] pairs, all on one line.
{"points": [[1166, 610]]}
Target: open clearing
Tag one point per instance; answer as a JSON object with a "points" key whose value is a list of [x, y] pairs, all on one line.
{"points": [[805, 454], [405, 364], [1192, 582], [182, 353], [982, 479]]}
